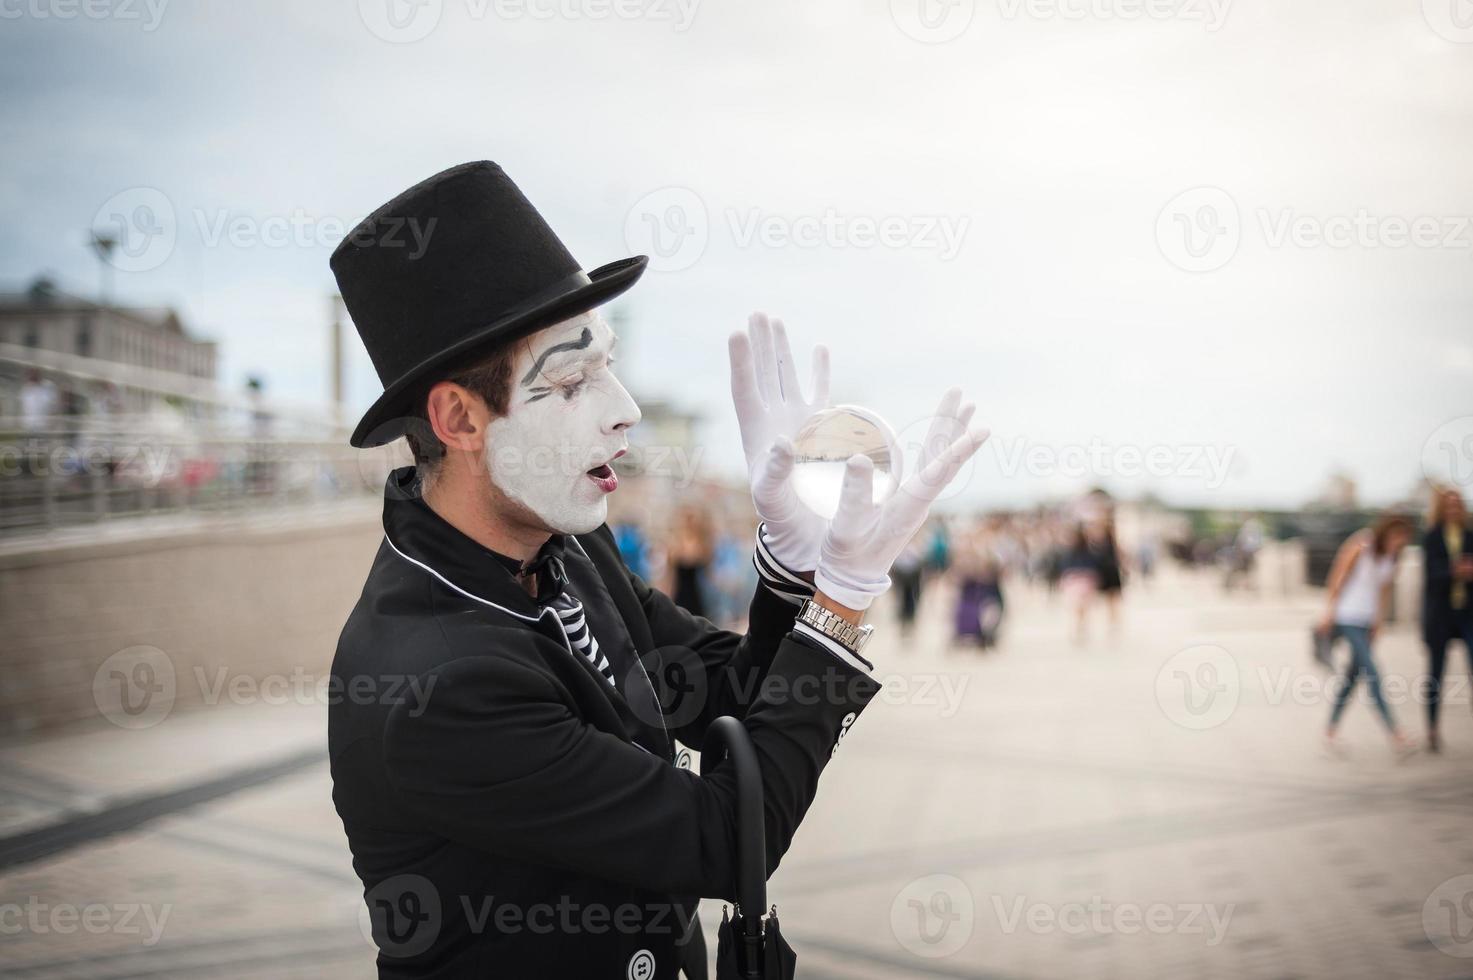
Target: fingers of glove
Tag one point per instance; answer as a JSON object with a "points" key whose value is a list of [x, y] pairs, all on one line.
{"points": [[787, 373], [944, 428], [856, 514], [820, 389], [745, 396], [965, 415], [771, 488], [925, 485], [765, 360]]}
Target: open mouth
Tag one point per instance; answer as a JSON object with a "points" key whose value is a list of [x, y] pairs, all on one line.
{"points": [[604, 476]]}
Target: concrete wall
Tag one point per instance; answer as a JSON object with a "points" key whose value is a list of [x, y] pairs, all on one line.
{"points": [[204, 600]]}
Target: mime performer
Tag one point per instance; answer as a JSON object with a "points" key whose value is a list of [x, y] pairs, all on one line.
{"points": [[526, 809]]}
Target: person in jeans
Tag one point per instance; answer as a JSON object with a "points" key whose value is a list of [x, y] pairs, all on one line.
{"points": [[1447, 595], [1359, 592]]}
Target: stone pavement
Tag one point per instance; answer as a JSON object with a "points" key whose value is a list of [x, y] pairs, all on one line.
{"points": [[1149, 805]]}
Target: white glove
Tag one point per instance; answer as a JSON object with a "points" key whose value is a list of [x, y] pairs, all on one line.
{"points": [[863, 539], [770, 409]]}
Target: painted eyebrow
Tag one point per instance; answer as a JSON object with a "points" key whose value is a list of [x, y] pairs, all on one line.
{"points": [[584, 339]]}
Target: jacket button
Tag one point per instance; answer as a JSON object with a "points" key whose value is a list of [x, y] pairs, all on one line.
{"points": [[641, 966]]}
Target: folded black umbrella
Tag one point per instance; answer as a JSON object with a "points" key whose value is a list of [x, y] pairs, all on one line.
{"points": [[749, 945]]}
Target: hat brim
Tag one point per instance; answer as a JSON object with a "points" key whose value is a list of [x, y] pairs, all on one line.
{"points": [[388, 418]]}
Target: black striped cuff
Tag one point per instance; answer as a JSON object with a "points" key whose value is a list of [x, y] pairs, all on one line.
{"points": [[778, 579]]}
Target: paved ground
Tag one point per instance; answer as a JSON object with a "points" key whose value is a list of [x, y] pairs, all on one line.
{"points": [[1153, 805]]}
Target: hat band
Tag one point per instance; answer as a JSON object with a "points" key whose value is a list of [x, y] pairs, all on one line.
{"points": [[575, 280]]}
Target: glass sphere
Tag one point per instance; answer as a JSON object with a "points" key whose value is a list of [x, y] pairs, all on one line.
{"points": [[825, 443]]}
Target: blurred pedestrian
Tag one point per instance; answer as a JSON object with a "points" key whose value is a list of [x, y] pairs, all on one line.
{"points": [[38, 403], [1357, 598], [688, 556], [978, 575], [1447, 613], [1111, 579], [1079, 579], [907, 575]]}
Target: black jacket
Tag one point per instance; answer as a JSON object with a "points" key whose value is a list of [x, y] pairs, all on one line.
{"points": [[1437, 587], [513, 816]]}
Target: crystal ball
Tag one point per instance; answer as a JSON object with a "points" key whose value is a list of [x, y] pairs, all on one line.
{"points": [[825, 443]]}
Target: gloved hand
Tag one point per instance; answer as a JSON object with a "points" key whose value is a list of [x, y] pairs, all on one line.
{"points": [[770, 409], [863, 540]]}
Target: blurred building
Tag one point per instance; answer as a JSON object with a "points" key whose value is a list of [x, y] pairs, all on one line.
{"points": [[141, 345]]}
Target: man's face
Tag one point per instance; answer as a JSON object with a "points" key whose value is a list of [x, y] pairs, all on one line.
{"points": [[565, 422]]}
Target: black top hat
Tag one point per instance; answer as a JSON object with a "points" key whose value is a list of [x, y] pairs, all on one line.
{"points": [[453, 266]]}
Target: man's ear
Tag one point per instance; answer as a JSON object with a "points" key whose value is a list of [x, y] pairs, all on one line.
{"points": [[457, 416]]}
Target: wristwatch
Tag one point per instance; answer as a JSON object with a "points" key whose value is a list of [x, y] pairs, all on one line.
{"points": [[835, 627]]}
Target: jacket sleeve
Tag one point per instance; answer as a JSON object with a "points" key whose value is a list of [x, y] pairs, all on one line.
{"points": [[708, 671], [494, 757]]}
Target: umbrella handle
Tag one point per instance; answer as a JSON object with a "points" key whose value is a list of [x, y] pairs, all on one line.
{"points": [[730, 734]]}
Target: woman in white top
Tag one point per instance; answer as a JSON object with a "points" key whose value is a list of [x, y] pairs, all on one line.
{"points": [[1359, 592]]}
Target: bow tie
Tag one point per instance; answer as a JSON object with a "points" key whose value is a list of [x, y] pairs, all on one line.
{"points": [[552, 577]]}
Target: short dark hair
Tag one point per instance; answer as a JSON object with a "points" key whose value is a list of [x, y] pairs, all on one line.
{"points": [[489, 378]]}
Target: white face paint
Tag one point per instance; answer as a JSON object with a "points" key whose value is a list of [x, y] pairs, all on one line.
{"points": [[567, 415]]}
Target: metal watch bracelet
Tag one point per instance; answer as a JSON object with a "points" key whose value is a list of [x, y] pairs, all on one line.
{"points": [[835, 627]]}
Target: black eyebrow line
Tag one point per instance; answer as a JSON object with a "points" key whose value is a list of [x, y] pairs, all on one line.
{"points": [[583, 341]]}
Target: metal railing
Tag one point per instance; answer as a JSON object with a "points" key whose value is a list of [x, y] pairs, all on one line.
{"points": [[78, 470]]}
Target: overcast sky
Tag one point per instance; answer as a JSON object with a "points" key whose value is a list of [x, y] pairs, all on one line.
{"points": [[1224, 241]]}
